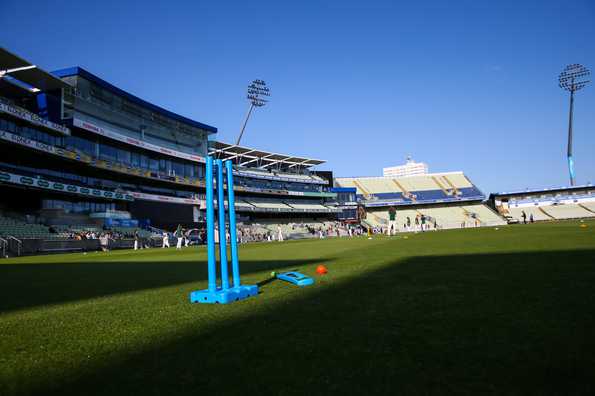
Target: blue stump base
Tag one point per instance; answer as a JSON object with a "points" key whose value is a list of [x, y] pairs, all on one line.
{"points": [[221, 296], [297, 278]]}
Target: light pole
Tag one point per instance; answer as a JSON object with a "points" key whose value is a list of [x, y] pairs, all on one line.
{"points": [[258, 92], [573, 78]]}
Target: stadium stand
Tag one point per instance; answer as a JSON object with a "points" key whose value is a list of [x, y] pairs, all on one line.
{"points": [[117, 161], [21, 230], [430, 188], [548, 204], [590, 206], [538, 213], [262, 230], [446, 217], [567, 211], [448, 200]]}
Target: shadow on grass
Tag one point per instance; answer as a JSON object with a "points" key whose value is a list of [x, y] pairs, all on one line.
{"points": [[468, 324], [30, 285]]}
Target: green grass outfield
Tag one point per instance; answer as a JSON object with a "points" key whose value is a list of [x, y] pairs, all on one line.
{"points": [[475, 311]]}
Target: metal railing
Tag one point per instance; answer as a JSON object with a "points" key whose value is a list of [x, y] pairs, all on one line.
{"points": [[15, 242], [4, 245]]}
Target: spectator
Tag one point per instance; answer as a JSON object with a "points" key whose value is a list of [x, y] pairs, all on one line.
{"points": [[524, 216]]}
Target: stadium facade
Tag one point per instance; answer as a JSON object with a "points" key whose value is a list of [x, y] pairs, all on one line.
{"points": [[81, 151]]}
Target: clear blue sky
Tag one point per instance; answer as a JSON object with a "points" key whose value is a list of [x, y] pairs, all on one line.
{"points": [[467, 85]]}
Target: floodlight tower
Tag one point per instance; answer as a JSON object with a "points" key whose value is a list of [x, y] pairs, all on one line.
{"points": [[573, 78], [258, 92]]}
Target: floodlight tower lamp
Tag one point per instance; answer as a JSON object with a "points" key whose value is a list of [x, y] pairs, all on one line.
{"points": [[256, 95], [573, 78]]}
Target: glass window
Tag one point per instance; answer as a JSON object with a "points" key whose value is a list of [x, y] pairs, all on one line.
{"points": [[153, 164], [135, 159], [189, 170], [177, 168], [107, 152], [124, 156], [163, 165], [144, 161]]}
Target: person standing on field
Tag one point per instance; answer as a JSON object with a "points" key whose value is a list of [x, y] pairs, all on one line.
{"points": [[392, 220], [524, 216], [136, 240], [178, 234], [186, 234]]}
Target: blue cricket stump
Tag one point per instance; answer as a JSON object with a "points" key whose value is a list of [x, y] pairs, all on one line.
{"points": [[223, 294]]}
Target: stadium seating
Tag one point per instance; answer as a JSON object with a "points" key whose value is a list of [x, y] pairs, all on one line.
{"points": [[437, 187], [277, 205], [265, 174], [555, 212], [263, 203], [22, 230], [64, 228], [128, 232], [291, 229], [567, 211], [537, 212], [485, 214], [446, 217], [307, 205], [590, 206]]}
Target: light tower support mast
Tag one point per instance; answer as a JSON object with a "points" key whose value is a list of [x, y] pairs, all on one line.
{"points": [[573, 78]]}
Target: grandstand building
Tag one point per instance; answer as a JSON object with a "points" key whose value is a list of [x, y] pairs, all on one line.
{"points": [[449, 200], [562, 203], [410, 168], [270, 185], [79, 152]]}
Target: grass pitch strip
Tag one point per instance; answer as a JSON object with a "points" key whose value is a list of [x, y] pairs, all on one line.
{"points": [[507, 311]]}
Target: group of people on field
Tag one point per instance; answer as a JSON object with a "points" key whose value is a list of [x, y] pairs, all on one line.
{"points": [[421, 223], [180, 234], [524, 217]]}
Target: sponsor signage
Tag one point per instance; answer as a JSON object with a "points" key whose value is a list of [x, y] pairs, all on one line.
{"points": [[7, 177], [86, 125], [23, 141], [163, 198], [32, 118]]}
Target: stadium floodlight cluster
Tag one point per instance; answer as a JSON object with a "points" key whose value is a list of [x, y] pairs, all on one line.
{"points": [[258, 94], [573, 78]]}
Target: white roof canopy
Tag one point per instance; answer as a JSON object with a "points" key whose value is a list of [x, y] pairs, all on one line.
{"points": [[246, 156], [30, 76]]}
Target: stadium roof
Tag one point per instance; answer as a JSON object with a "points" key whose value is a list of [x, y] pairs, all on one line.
{"points": [[79, 71], [27, 75], [246, 156], [542, 190]]}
